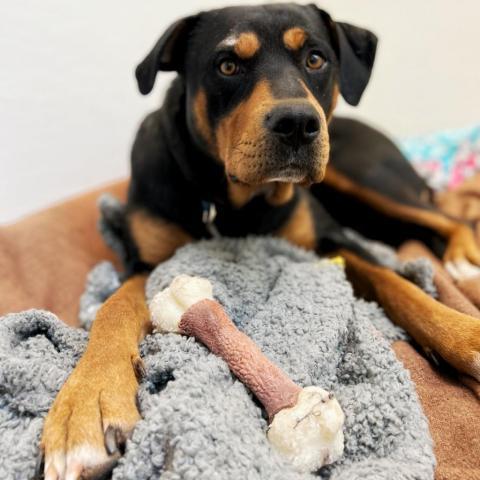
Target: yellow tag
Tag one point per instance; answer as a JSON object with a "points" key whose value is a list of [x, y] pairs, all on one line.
{"points": [[338, 260]]}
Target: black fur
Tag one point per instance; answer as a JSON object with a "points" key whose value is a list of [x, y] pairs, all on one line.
{"points": [[373, 161], [173, 173]]}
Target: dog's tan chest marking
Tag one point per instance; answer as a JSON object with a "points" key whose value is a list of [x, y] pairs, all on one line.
{"points": [[294, 38], [246, 45], [281, 193], [240, 194], [155, 239], [300, 229]]}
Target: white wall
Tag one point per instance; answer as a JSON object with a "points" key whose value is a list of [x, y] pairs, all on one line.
{"points": [[69, 105]]}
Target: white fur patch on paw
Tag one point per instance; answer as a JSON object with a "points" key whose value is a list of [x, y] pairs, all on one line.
{"points": [[69, 466], [462, 269], [168, 306], [55, 465], [310, 433]]}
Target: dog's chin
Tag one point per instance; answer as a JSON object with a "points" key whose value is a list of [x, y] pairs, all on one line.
{"points": [[302, 175], [305, 166], [290, 175], [287, 175]]}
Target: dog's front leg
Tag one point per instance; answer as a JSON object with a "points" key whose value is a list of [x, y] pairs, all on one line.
{"points": [[96, 408]]}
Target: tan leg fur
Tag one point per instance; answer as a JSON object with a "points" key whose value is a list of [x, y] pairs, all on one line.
{"points": [[98, 402]]}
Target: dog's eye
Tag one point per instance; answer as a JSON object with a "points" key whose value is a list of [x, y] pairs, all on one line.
{"points": [[228, 68], [315, 61]]}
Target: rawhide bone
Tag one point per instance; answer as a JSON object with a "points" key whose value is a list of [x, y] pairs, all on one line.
{"points": [[305, 423]]}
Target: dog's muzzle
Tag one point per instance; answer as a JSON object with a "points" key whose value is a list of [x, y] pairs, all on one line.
{"points": [[294, 132]]}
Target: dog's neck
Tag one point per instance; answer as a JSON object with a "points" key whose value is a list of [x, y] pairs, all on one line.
{"points": [[200, 179], [200, 170]]}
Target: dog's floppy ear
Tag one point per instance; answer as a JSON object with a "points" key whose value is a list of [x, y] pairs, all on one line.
{"points": [[167, 54], [355, 48]]}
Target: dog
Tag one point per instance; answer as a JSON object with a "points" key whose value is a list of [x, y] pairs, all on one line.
{"points": [[246, 143]]}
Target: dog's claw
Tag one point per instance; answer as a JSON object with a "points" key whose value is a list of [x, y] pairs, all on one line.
{"points": [[39, 466], [89, 444], [115, 440], [139, 368], [433, 356], [111, 440]]}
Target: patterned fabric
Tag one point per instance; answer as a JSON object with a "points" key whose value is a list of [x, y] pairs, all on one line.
{"points": [[445, 159]]}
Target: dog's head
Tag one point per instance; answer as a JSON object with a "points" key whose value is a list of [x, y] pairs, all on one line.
{"points": [[262, 83]]}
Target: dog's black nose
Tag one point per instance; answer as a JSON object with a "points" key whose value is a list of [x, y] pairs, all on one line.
{"points": [[294, 125]]}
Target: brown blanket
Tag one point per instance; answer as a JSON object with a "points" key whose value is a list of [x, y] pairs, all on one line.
{"points": [[451, 403], [44, 260], [45, 257]]}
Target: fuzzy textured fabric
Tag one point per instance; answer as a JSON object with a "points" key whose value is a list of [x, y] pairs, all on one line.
{"points": [[37, 353], [199, 421]]}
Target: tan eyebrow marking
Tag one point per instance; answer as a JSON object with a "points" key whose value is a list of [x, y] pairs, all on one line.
{"points": [[294, 38], [247, 45]]}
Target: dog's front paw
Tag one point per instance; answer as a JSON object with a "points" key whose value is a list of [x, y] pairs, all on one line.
{"points": [[462, 255], [93, 415]]}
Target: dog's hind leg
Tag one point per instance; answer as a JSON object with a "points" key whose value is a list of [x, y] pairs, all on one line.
{"points": [[371, 187], [451, 334], [378, 216]]}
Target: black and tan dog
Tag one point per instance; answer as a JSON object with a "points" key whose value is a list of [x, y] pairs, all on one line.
{"points": [[246, 132]]}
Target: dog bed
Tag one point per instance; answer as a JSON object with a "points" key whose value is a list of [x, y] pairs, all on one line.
{"points": [[45, 257], [199, 421]]}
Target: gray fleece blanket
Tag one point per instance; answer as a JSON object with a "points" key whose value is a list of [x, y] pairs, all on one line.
{"points": [[199, 421]]}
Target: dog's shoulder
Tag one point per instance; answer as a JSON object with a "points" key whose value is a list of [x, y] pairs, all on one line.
{"points": [[161, 204]]}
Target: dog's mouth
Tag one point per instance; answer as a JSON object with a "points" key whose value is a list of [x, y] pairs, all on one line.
{"points": [[294, 166], [304, 166], [287, 176], [292, 172], [272, 170]]}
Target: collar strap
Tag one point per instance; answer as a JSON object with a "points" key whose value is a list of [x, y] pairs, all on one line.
{"points": [[209, 213]]}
